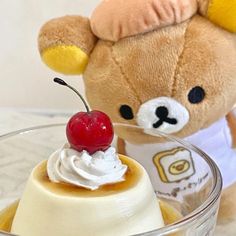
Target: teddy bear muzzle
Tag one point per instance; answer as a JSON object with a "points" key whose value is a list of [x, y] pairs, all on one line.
{"points": [[162, 114]]}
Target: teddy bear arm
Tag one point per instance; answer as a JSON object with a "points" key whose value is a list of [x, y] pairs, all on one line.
{"points": [[65, 44], [231, 117]]}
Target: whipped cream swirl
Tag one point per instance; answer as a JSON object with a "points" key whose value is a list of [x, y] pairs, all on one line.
{"points": [[85, 170]]}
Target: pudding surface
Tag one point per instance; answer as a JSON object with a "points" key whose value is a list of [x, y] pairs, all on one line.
{"points": [[132, 177], [58, 209]]}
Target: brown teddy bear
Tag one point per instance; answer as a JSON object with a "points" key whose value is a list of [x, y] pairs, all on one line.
{"points": [[165, 65]]}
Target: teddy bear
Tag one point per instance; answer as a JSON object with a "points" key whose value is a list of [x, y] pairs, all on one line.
{"points": [[164, 65]]}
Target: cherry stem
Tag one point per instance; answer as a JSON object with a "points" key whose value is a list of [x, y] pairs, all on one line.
{"points": [[63, 83]]}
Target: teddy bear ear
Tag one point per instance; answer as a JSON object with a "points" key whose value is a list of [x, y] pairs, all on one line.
{"points": [[65, 44], [220, 12]]}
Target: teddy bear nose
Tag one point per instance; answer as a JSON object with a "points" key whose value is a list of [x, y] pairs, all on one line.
{"points": [[162, 114]]}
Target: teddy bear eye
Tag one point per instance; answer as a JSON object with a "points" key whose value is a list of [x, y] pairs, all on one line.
{"points": [[196, 95], [126, 112]]}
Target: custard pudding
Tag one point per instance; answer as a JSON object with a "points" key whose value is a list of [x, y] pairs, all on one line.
{"points": [[126, 207], [86, 188]]}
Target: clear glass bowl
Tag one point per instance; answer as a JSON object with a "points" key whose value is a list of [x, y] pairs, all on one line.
{"points": [[183, 176]]}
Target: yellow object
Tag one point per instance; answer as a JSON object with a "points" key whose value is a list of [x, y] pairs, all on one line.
{"points": [[223, 13], [169, 213], [6, 217], [69, 60]]}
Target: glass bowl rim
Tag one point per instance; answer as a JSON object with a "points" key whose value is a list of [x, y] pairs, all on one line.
{"points": [[185, 221]]}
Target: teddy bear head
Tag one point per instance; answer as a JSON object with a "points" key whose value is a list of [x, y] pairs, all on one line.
{"points": [[163, 65]]}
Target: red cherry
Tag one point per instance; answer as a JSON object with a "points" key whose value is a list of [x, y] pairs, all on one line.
{"points": [[90, 131]]}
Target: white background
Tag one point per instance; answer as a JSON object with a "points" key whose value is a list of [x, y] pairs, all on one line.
{"points": [[25, 82]]}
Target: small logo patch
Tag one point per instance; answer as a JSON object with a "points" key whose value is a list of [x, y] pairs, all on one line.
{"points": [[174, 165]]}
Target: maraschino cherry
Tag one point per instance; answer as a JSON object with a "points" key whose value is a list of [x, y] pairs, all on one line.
{"points": [[91, 131]]}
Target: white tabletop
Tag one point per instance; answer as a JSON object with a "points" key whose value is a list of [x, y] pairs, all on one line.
{"points": [[12, 120]]}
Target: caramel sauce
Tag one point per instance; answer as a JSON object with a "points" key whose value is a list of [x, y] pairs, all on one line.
{"points": [[7, 216], [132, 177]]}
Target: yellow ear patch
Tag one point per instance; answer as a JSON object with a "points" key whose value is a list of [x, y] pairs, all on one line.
{"points": [[69, 60], [223, 13]]}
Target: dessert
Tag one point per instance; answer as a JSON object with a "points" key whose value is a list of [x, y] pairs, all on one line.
{"points": [[86, 188]]}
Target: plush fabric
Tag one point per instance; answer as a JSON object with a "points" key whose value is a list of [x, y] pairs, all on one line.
{"points": [[203, 7], [215, 141], [65, 44], [231, 117], [70, 60], [223, 13], [114, 19], [67, 30], [194, 53], [153, 49]]}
